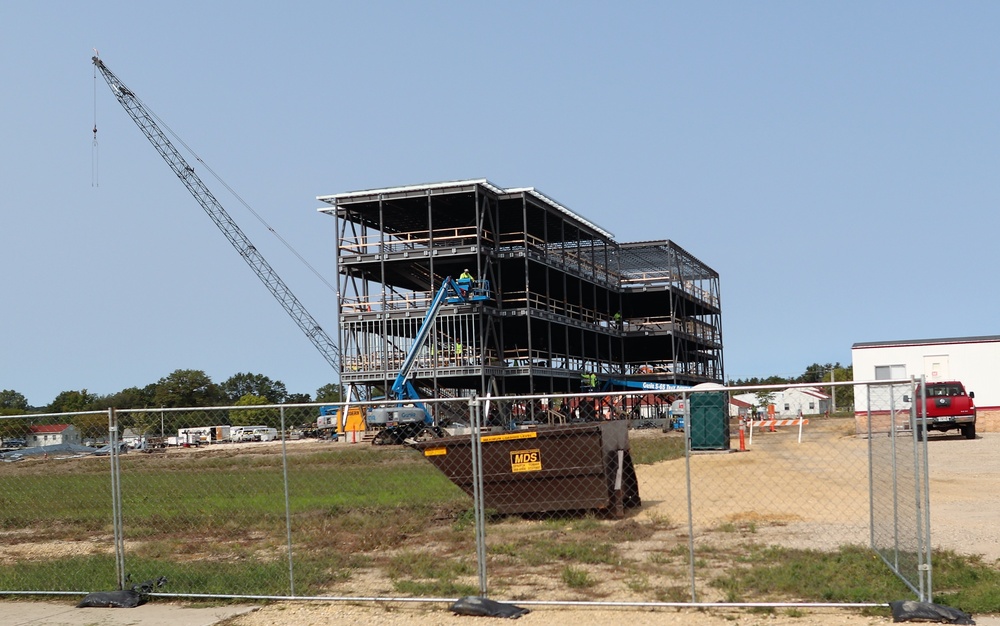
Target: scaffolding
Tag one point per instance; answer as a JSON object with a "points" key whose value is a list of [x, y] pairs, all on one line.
{"points": [[566, 299]]}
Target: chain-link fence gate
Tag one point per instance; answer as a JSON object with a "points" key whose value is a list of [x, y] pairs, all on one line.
{"points": [[657, 497], [900, 493]]}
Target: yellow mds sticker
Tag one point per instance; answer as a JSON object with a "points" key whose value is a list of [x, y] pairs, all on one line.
{"points": [[525, 461], [435, 451]]}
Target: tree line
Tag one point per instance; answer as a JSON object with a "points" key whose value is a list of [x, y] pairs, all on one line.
{"points": [[814, 374], [194, 388], [180, 388]]}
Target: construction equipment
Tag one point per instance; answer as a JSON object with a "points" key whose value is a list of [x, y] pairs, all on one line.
{"points": [[410, 419], [146, 122], [333, 420]]}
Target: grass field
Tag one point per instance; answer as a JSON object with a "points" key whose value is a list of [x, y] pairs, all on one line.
{"points": [[376, 521]]}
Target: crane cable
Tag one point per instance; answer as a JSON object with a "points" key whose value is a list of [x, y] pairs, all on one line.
{"points": [[247, 206], [94, 154], [241, 200]]}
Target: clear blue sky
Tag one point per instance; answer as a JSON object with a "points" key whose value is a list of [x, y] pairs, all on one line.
{"points": [[835, 162]]}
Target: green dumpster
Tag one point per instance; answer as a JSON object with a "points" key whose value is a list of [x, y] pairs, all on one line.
{"points": [[709, 420]]}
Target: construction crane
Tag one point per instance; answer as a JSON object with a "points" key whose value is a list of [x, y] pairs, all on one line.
{"points": [[146, 122]]}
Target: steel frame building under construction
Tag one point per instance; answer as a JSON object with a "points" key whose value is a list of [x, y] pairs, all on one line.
{"points": [[566, 299]]}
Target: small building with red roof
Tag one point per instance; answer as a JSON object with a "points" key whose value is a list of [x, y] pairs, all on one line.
{"points": [[52, 435]]}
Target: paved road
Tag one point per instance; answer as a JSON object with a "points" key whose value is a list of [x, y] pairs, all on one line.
{"points": [[65, 613]]}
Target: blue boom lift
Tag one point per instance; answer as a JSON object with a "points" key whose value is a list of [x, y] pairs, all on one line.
{"points": [[410, 419]]}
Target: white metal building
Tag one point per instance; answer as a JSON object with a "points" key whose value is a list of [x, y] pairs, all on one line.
{"points": [[804, 401], [790, 402], [973, 360]]}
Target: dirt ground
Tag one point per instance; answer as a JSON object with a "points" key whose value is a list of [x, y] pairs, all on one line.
{"points": [[820, 483]]}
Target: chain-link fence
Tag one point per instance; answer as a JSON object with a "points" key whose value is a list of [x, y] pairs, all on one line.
{"points": [[900, 515], [639, 497]]}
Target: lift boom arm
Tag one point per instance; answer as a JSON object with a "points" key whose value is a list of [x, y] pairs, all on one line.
{"points": [[401, 387], [145, 120]]}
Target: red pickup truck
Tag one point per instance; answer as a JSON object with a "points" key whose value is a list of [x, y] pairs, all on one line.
{"points": [[948, 407]]}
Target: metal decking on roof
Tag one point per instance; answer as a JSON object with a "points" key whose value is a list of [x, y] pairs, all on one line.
{"points": [[642, 256], [417, 190], [552, 203], [636, 263], [408, 190]]}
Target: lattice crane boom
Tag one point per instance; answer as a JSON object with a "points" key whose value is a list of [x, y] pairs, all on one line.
{"points": [[146, 122]]}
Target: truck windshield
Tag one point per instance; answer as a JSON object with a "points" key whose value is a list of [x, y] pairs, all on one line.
{"points": [[944, 390]]}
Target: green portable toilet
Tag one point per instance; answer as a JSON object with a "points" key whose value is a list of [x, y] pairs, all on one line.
{"points": [[708, 419]]}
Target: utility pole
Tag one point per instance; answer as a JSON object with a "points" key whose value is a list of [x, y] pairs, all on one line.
{"points": [[833, 391]]}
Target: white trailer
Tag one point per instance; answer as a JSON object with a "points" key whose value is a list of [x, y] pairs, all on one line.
{"points": [[975, 361], [204, 434]]}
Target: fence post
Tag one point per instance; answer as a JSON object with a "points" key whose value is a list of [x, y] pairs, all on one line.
{"points": [[288, 506], [871, 467], [923, 494], [116, 498], [690, 501], [475, 421]]}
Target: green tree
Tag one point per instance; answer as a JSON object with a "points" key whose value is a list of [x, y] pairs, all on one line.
{"points": [[328, 393], [764, 398], [242, 384], [253, 417], [298, 398], [72, 401], [12, 402], [14, 428], [131, 398], [143, 422], [187, 388], [844, 395], [92, 426], [754, 380], [817, 373]]}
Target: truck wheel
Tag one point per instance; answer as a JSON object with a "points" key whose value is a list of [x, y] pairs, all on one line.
{"points": [[919, 433], [969, 431]]}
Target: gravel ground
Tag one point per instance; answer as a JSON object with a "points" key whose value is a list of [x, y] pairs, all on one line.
{"points": [[404, 615], [965, 504]]}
